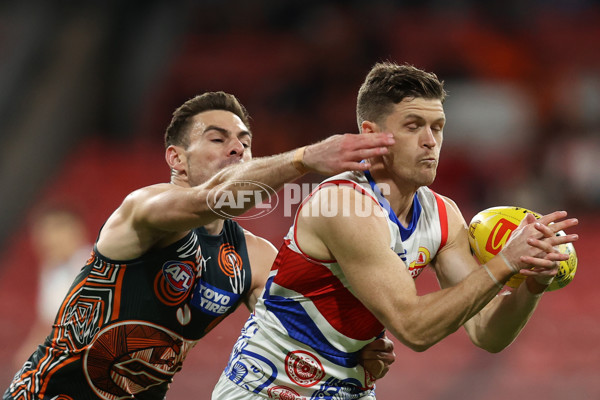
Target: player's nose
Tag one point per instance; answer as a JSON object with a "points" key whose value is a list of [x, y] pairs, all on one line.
{"points": [[236, 148]]}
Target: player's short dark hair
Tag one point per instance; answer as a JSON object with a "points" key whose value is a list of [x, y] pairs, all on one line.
{"points": [[177, 131], [388, 83]]}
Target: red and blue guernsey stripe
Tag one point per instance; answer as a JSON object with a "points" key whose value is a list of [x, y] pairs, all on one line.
{"points": [[300, 285], [342, 310]]}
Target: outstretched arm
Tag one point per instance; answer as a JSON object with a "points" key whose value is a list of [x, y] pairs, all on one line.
{"points": [[157, 214], [179, 210]]}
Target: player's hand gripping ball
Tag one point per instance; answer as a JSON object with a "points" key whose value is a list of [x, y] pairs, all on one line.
{"points": [[491, 228]]}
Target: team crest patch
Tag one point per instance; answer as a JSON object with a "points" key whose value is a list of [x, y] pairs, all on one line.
{"points": [[174, 281], [303, 368], [423, 258]]}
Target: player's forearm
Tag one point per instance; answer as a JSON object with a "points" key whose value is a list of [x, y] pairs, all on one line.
{"points": [[331, 156], [499, 324], [273, 171], [238, 188], [438, 314], [231, 192]]}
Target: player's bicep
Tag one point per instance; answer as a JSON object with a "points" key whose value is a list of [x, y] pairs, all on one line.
{"points": [[359, 242], [329, 226], [455, 262], [376, 274], [163, 211], [128, 232], [172, 208]]}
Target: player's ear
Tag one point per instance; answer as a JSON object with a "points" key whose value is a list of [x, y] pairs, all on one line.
{"points": [[368, 127], [175, 159]]}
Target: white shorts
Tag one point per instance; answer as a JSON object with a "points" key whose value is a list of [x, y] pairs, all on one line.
{"points": [[227, 390]]}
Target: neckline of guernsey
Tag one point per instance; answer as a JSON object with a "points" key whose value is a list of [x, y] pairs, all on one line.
{"points": [[405, 232]]}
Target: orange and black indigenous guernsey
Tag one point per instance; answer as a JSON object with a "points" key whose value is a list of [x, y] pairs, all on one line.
{"points": [[125, 327]]}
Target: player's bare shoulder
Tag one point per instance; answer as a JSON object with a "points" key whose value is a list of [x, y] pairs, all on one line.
{"points": [[125, 236], [455, 217], [142, 200], [259, 246], [457, 226], [261, 254]]}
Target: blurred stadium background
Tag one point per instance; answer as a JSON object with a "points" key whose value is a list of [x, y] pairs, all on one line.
{"points": [[87, 89]]}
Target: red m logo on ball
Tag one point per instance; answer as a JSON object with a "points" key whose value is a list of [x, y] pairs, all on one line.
{"points": [[499, 236]]}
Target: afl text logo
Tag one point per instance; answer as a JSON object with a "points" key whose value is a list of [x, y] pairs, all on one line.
{"points": [[174, 281], [228, 197]]}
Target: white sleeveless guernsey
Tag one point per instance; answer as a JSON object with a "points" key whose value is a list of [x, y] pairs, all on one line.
{"points": [[302, 341]]}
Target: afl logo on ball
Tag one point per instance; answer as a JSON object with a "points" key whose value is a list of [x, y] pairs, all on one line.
{"points": [[303, 368]]}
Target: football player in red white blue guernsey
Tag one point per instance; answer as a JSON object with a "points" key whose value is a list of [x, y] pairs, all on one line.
{"points": [[346, 271], [166, 268]]}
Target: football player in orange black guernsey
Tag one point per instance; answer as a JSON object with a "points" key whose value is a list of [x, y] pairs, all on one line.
{"points": [[166, 268]]}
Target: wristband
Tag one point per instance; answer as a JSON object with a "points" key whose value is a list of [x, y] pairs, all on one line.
{"points": [[298, 160], [500, 286], [512, 267]]}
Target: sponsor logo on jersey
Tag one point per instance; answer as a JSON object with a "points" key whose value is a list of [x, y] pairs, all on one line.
{"points": [[212, 300]]}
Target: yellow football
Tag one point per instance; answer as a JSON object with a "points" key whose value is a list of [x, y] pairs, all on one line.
{"points": [[491, 228]]}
